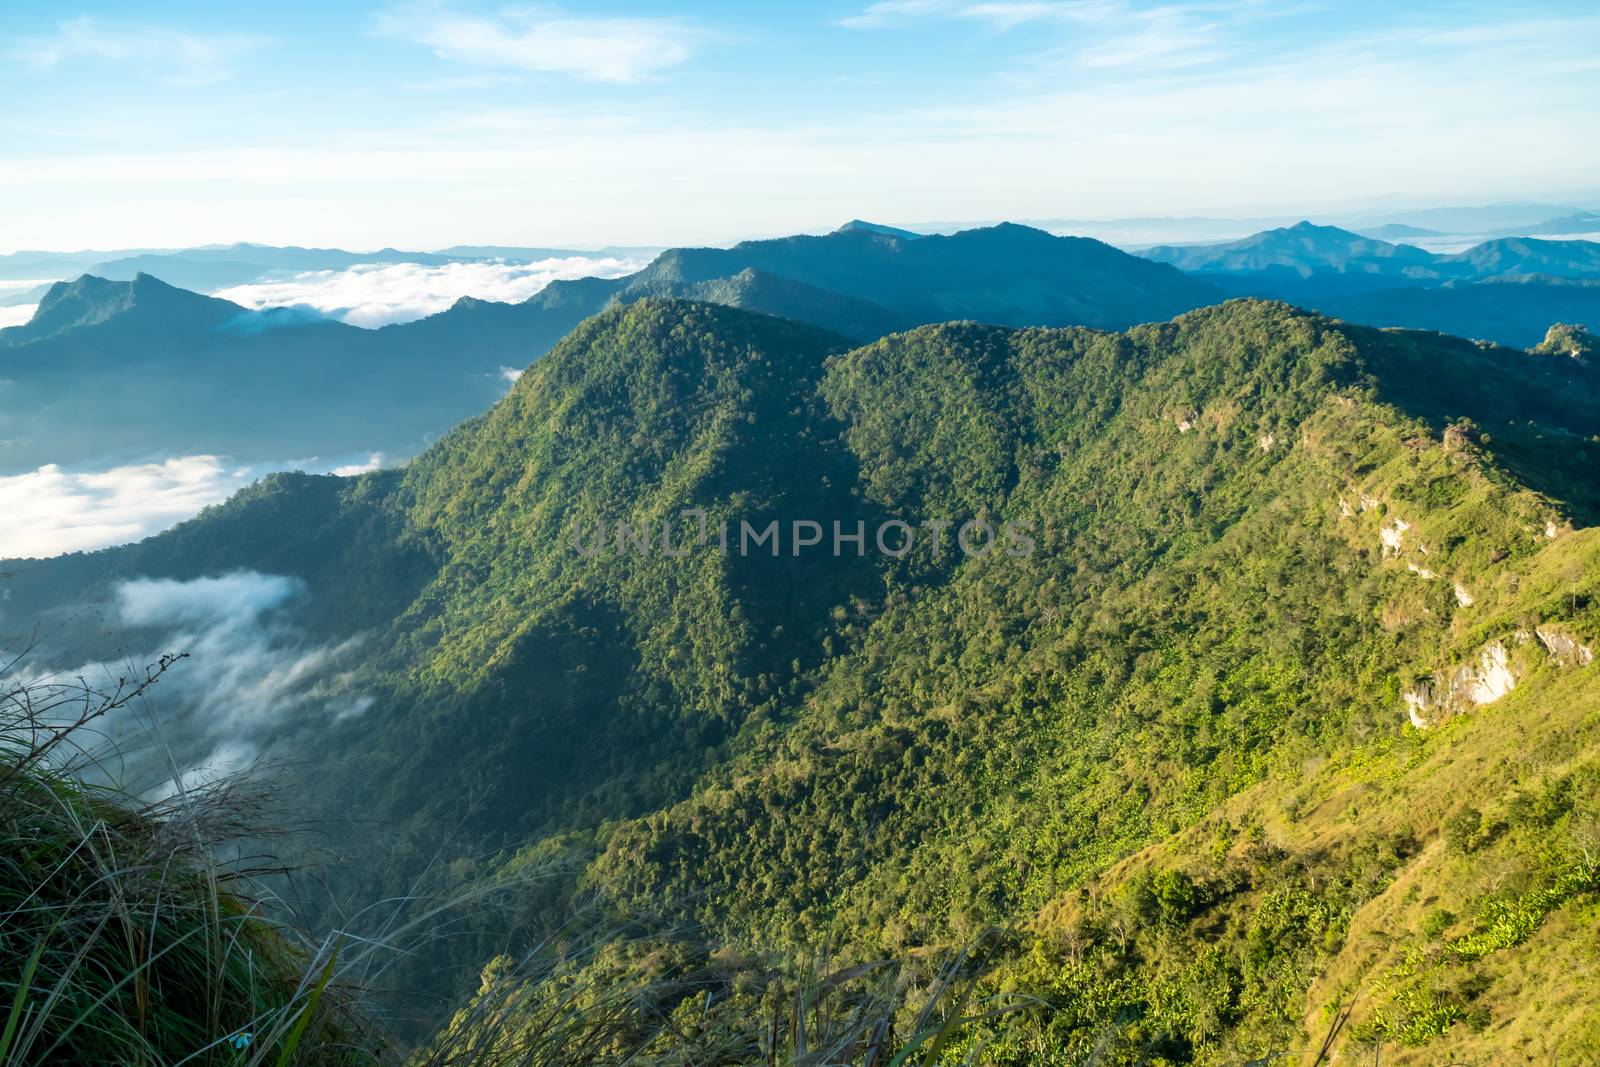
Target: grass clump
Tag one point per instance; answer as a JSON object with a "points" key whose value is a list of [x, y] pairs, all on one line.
{"points": [[122, 939]]}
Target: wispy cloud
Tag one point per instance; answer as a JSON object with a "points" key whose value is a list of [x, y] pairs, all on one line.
{"points": [[1098, 33], [379, 294], [888, 13], [183, 58], [251, 682], [547, 40]]}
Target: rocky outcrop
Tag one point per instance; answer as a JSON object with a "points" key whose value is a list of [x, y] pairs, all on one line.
{"points": [[1491, 676], [1455, 690], [1393, 535], [1563, 648]]}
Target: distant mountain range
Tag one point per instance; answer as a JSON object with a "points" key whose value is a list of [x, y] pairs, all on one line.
{"points": [[139, 367], [1506, 289]]}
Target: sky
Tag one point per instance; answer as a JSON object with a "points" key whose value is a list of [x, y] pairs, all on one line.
{"points": [[164, 124]]}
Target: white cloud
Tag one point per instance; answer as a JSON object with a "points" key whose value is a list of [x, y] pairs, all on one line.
{"points": [[183, 58], [379, 294], [374, 461], [50, 511], [546, 40], [16, 314]]}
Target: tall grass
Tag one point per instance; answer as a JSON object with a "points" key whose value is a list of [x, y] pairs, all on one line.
{"points": [[122, 939]]}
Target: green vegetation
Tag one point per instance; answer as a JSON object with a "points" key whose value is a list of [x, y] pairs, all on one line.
{"points": [[1230, 757], [122, 940]]}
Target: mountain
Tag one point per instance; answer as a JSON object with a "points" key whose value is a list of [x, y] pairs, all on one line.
{"points": [[184, 357], [140, 369], [1398, 231], [31, 265], [1300, 251], [1485, 219], [860, 225], [1579, 222], [139, 306], [1371, 281], [1216, 733], [1005, 274], [1510, 256]]}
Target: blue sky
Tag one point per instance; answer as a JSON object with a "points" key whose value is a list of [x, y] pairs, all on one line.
{"points": [[425, 124]]}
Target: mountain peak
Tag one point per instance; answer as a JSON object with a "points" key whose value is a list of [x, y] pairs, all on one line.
{"points": [[863, 226], [89, 300]]}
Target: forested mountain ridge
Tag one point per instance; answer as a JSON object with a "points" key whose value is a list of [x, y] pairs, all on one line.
{"points": [[1197, 747]]}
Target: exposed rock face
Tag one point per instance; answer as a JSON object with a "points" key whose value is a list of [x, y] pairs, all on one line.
{"points": [[1459, 688], [1564, 648], [1493, 679], [1421, 572], [1463, 597], [1452, 691], [1266, 441], [1416, 704], [1393, 535]]}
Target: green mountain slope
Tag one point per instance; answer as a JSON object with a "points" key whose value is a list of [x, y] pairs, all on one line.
{"points": [[1292, 582]]}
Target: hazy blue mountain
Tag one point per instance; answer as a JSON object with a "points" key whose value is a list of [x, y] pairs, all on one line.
{"points": [[863, 284], [1579, 222], [1005, 274], [1527, 255], [128, 310], [1300, 250], [201, 275], [1486, 218], [109, 371], [29, 265], [1397, 231], [1368, 280], [876, 227]]}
